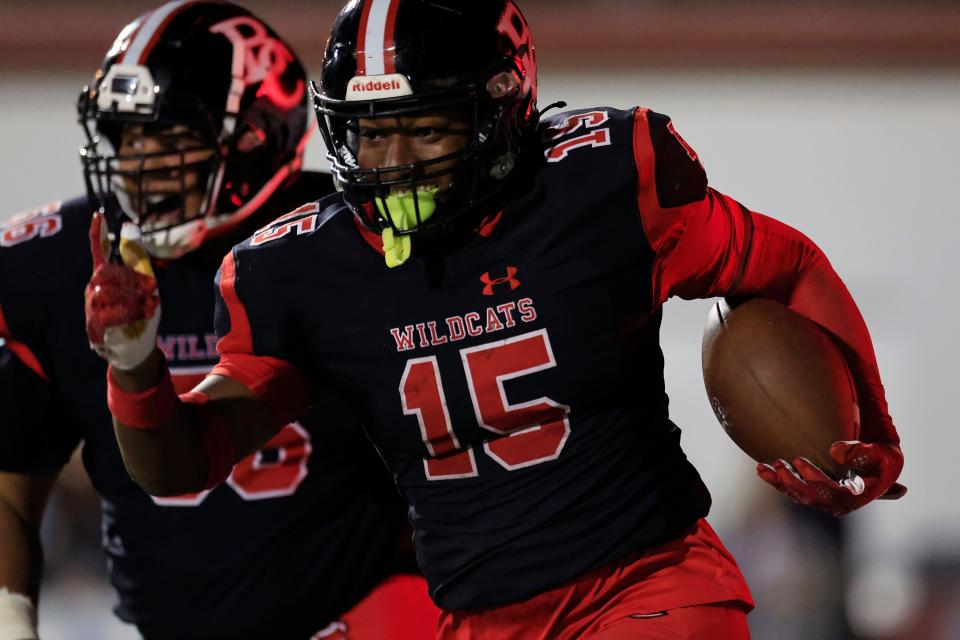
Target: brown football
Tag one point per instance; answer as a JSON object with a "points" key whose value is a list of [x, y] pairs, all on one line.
{"points": [[777, 383]]}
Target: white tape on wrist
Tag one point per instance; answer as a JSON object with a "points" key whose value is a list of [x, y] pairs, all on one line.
{"points": [[18, 617], [128, 347]]}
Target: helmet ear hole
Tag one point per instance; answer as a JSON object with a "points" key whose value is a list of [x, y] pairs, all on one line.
{"points": [[503, 166], [502, 85]]}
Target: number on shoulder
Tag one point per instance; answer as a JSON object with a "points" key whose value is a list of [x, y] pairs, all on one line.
{"points": [[43, 222], [300, 221]]}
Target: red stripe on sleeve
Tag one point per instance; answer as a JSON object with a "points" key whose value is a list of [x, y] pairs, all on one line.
{"points": [[362, 39], [22, 351], [389, 44], [662, 227], [240, 337], [283, 387], [279, 384]]}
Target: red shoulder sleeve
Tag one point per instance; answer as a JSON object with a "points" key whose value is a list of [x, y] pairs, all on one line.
{"points": [[279, 383], [699, 236], [707, 244]]}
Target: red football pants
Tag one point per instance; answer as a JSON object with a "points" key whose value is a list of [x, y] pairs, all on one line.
{"points": [[688, 588], [718, 621], [397, 609]]}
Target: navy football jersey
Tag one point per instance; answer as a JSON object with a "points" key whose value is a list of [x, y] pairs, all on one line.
{"points": [[300, 530], [514, 385]]}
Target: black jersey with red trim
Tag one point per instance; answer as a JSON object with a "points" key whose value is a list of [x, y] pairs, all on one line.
{"points": [[515, 385], [300, 530]]}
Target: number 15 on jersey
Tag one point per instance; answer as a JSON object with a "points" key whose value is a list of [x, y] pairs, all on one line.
{"points": [[526, 434]]}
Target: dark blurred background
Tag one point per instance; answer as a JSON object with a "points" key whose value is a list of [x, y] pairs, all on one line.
{"points": [[605, 33]]}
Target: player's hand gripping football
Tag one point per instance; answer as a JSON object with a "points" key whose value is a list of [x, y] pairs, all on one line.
{"points": [[122, 301], [872, 473]]}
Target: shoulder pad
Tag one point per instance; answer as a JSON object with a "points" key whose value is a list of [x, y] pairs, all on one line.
{"points": [[574, 120], [45, 221], [303, 220], [40, 222], [678, 174], [564, 134]]}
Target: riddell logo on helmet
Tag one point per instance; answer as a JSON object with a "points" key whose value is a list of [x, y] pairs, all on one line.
{"points": [[375, 85], [378, 87]]}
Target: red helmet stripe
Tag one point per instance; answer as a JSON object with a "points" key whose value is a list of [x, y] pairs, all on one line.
{"points": [[376, 50], [132, 36], [362, 39]]}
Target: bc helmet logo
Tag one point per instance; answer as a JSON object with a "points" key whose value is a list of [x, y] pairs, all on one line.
{"points": [[257, 57]]}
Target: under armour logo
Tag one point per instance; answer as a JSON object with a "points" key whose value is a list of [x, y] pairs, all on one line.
{"points": [[490, 283]]}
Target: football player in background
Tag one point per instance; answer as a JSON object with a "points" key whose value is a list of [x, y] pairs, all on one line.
{"points": [[196, 123], [486, 293]]}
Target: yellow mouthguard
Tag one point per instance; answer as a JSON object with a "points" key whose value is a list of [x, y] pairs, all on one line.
{"points": [[402, 211]]}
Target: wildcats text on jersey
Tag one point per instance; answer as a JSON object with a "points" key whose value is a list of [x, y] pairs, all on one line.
{"points": [[456, 328], [188, 347]]}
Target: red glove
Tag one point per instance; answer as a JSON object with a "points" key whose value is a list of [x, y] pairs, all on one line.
{"points": [[121, 301], [872, 473]]}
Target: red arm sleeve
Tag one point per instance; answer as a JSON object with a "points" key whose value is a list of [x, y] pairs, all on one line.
{"points": [[284, 388], [707, 244]]}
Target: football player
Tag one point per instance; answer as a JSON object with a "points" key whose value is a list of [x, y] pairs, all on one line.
{"points": [[196, 124], [486, 294]]}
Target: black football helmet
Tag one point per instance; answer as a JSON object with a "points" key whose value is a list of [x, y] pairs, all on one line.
{"points": [[215, 75], [395, 58]]}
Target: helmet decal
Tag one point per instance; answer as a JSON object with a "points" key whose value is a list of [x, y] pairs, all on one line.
{"points": [[257, 57], [376, 49]]}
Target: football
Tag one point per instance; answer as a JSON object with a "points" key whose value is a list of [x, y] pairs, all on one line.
{"points": [[777, 383]]}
